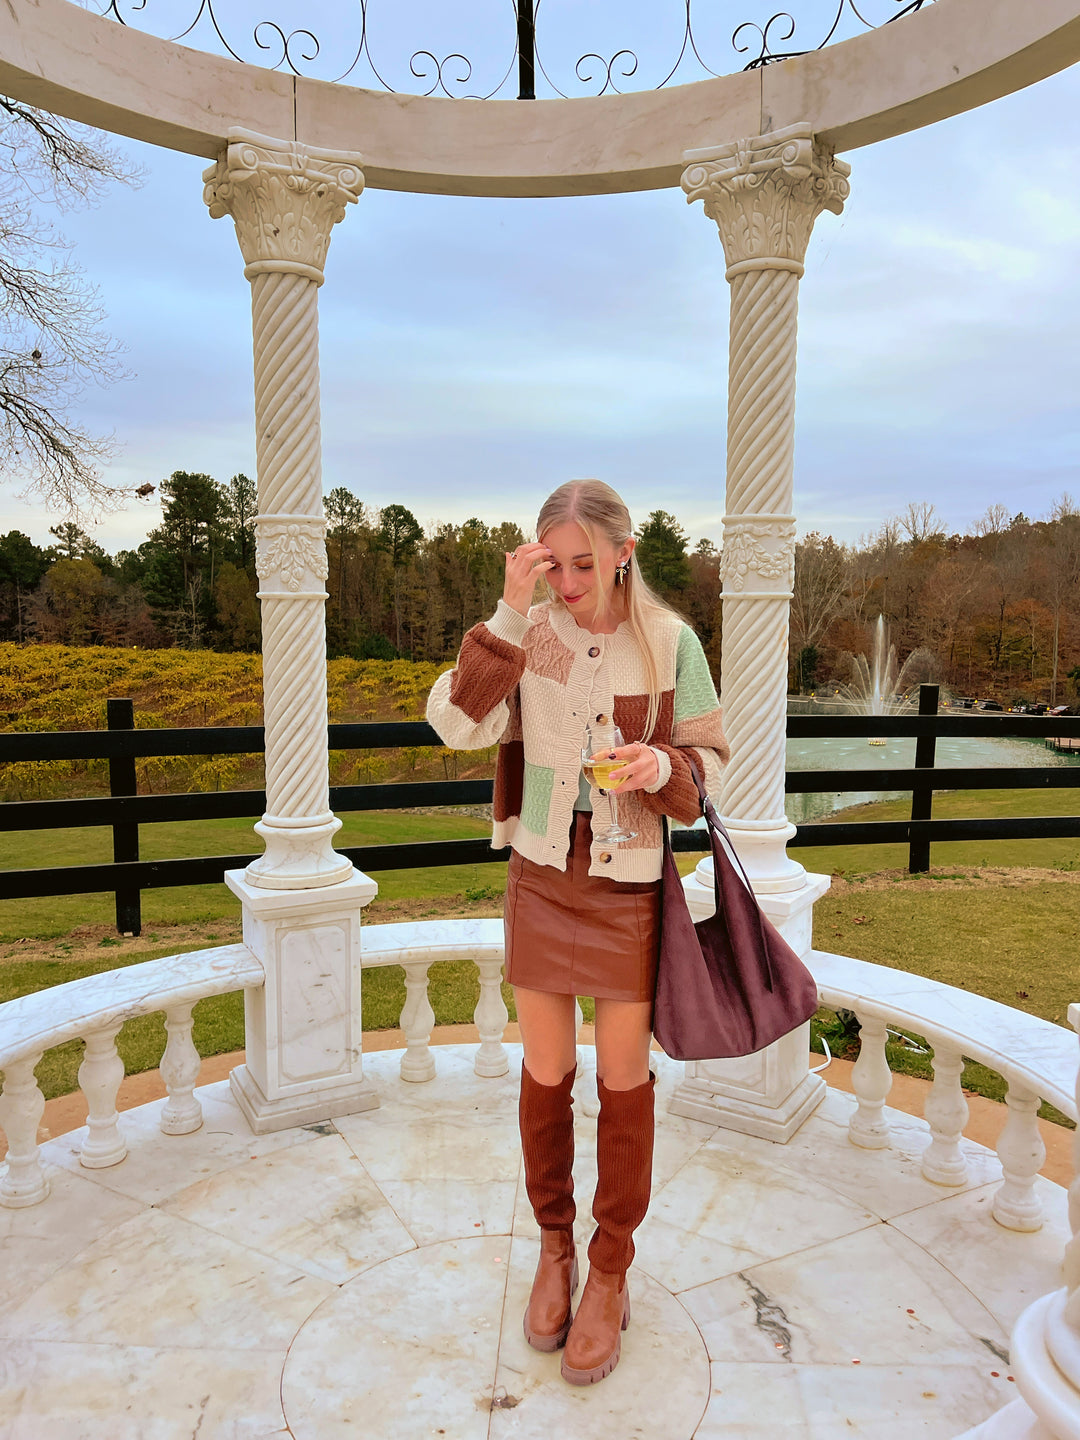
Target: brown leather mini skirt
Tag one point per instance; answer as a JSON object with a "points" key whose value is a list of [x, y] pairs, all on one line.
{"points": [[572, 933]]}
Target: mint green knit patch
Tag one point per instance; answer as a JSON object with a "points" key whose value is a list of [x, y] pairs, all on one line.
{"points": [[539, 780], [694, 691]]}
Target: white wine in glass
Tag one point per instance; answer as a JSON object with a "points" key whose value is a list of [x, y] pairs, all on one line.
{"points": [[599, 740]]}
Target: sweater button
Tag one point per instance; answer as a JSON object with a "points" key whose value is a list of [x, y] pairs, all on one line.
{"points": [[603, 719], [594, 650], [605, 857]]}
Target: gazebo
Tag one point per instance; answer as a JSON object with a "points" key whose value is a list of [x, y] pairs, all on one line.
{"points": [[330, 1240]]}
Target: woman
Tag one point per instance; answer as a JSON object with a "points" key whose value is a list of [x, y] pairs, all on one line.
{"points": [[582, 914]]}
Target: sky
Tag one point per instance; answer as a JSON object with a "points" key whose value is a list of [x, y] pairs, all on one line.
{"points": [[476, 353]]}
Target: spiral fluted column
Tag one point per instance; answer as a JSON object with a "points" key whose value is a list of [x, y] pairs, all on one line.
{"points": [[285, 198], [764, 194]]}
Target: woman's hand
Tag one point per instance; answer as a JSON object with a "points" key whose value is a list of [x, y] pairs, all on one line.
{"points": [[639, 767], [523, 567]]}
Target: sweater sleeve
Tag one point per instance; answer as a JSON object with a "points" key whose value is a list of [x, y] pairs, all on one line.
{"points": [[468, 705], [696, 733]]}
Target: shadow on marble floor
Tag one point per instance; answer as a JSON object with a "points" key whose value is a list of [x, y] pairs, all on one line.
{"points": [[368, 1276]]}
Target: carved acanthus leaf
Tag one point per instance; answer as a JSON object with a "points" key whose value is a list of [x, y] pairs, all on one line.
{"points": [[284, 197], [766, 192]]}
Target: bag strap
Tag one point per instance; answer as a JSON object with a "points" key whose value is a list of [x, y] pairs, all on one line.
{"points": [[716, 825]]}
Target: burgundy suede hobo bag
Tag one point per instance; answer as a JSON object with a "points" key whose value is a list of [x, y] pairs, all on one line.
{"points": [[730, 984]]}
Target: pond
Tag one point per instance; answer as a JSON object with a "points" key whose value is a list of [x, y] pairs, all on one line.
{"points": [[835, 753]]}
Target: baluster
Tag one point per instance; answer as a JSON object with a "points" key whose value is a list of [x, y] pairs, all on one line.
{"points": [[872, 1080], [946, 1112], [100, 1075], [490, 1018], [417, 1019], [1063, 1338], [1022, 1154], [21, 1107], [180, 1067]]}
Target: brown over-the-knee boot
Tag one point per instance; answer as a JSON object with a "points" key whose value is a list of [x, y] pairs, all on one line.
{"points": [[624, 1151], [546, 1120]]}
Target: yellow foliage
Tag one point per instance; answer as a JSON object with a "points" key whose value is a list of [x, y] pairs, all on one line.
{"points": [[64, 687]]}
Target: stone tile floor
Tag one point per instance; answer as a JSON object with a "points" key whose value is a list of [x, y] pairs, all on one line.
{"points": [[368, 1277]]}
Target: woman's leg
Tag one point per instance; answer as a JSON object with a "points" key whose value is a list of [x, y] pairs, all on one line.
{"points": [[546, 1120], [623, 1037], [547, 1033], [624, 1151]]}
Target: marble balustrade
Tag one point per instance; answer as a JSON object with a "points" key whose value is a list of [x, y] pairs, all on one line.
{"points": [[1037, 1059]]}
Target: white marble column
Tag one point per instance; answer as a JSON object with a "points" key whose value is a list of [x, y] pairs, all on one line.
{"points": [[301, 899], [1044, 1348], [285, 198], [764, 193]]}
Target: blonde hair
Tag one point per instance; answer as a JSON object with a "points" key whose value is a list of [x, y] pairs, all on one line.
{"points": [[601, 512]]}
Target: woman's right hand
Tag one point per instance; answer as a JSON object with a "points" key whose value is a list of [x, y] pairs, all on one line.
{"points": [[523, 567]]}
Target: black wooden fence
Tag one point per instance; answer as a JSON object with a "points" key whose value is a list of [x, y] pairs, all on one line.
{"points": [[124, 810]]}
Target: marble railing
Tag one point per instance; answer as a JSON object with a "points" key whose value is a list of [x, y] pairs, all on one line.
{"points": [[1036, 1058], [416, 947], [93, 1010]]}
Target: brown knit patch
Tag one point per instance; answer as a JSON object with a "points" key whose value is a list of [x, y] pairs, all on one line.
{"points": [[546, 655], [513, 725], [634, 815], [706, 730], [631, 713], [509, 780], [679, 797], [487, 670]]}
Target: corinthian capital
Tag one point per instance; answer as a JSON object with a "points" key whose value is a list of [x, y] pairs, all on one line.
{"points": [[765, 194], [285, 198]]}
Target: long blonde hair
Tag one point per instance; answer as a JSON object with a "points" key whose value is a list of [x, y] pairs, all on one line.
{"points": [[600, 511]]}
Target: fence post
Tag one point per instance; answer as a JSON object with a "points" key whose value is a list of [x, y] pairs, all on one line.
{"points": [[120, 715], [922, 795]]}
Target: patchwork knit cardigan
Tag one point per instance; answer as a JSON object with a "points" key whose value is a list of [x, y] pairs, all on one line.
{"points": [[533, 683]]}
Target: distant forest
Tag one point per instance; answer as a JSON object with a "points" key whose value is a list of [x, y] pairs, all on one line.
{"points": [[997, 610]]}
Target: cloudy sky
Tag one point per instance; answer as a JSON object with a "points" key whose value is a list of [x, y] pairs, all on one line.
{"points": [[475, 353]]}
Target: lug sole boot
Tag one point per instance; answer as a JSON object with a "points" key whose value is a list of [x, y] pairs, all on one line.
{"points": [[624, 1151], [546, 1121]]}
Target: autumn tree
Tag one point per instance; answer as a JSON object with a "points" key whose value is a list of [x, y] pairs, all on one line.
{"points": [[398, 536], [818, 594], [661, 554]]}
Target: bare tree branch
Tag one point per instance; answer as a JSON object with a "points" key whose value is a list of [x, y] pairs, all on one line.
{"points": [[52, 345]]}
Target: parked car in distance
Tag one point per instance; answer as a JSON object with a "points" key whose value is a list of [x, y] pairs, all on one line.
{"points": [[989, 705], [1039, 709], [1059, 710], [965, 702]]}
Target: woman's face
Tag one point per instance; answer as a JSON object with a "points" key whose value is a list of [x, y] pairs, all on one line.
{"points": [[573, 575]]}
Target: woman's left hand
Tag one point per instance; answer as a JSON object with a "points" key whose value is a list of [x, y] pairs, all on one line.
{"points": [[639, 766]]}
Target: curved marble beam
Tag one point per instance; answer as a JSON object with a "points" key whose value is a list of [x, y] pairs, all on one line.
{"points": [[950, 57]]}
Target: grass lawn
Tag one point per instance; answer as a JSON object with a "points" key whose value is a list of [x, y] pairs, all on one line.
{"points": [[205, 904], [956, 805], [1005, 932]]}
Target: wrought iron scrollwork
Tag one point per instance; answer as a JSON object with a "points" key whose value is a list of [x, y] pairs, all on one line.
{"points": [[295, 50]]}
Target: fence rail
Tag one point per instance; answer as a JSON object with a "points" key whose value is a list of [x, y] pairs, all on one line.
{"points": [[125, 811]]}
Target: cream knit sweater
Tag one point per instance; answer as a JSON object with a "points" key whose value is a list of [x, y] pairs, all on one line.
{"points": [[532, 684]]}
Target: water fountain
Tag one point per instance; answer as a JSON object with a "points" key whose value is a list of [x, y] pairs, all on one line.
{"points": [[879, 686]]}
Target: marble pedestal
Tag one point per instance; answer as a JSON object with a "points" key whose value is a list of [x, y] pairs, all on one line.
{"points": [[771, 1092], [303, 1029]]}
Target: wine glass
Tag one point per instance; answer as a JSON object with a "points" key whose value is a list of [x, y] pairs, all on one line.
{"points": [[599, 741]]}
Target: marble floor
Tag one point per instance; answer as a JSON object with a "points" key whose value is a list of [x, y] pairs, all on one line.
{"points": [[367, 1277]]}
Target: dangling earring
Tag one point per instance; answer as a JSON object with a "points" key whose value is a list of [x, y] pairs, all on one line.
{"points": [[621, 572]]}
